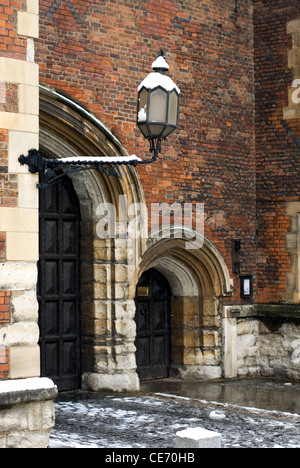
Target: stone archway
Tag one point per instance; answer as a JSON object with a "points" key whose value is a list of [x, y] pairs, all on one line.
{"points": [[108, 274], [198, 278]]}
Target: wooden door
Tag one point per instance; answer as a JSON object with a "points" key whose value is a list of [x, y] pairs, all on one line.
{"points": [[59, 285], [153, 326]]}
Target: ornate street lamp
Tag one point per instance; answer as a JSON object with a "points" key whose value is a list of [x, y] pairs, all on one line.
{"points": [[157, 118], [158, 106]]}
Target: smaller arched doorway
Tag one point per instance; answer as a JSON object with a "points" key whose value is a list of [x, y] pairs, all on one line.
{"points": [[197, 279], [153, 355]]}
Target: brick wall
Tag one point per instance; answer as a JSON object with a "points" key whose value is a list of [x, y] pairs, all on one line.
{"points": [[98, 53], [278, 170], [5, 306], [11, 44]]}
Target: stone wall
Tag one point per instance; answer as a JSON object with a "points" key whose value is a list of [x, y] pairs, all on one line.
{"points": [[269, 348], [262, 341], [248, 348]]}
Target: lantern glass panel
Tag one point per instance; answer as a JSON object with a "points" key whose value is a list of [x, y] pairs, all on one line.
{"points": [[173, 108], [156, 130], [144, 130], [158, 106], [168, 131]]}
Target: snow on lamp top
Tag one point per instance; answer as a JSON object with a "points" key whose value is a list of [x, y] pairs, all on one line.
{"points": [[160, 64], [153, 80], [157, 78]]}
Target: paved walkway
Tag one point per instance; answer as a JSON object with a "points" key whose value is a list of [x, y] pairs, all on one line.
{"points": [[248, 413]]}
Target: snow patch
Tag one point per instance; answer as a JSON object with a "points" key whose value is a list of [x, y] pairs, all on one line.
{"points": [[101, 159], [160, 62], [142, 116], [154, 80], [22, 385], [217, 415]]}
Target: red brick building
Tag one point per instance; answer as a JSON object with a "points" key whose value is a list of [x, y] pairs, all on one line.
{"points": [[118, 309], [99, 54]]}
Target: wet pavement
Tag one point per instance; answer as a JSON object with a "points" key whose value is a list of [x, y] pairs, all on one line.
{"points": [[247, 414]]}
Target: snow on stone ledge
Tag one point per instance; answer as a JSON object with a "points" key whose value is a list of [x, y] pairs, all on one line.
{"points": [[20, 391], [102, 159], [21, 385]]}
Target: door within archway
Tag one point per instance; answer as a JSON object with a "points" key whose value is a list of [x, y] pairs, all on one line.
{"points": [[153, 326], [59, 285]]}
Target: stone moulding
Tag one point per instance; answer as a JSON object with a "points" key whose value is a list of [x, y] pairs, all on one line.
{"points": [[281, 311], [26, 390]]}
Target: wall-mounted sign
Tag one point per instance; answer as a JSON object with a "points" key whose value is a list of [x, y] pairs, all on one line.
{"points": [[246, 286]]}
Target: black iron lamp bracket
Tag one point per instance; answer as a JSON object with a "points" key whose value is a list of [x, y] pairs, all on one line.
{"points": [[155, 148], [156, 119], [53, 170], [34, 161]]}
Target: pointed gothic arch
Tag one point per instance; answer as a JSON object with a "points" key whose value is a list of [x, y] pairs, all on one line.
{"points": [[107, 307], [197, 278]]}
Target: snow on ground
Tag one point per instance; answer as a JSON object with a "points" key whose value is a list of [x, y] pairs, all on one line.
{"points": [[89, 420]]}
